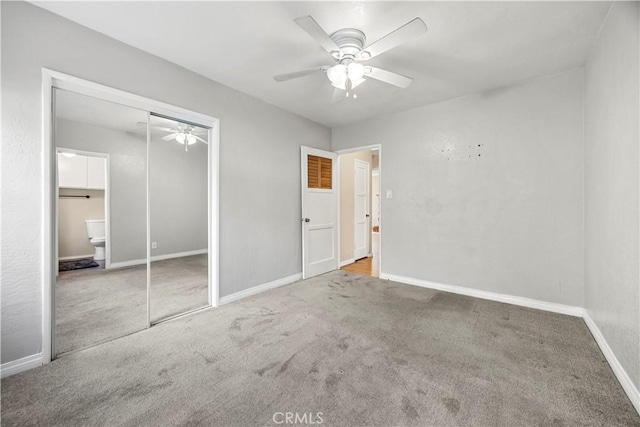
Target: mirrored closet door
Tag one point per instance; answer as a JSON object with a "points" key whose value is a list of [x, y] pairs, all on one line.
{"points": [[178, 188], [101, 287], [131, 220]]}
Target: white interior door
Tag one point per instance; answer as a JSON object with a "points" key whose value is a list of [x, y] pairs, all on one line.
{"points": [[319, 212], [361, 209]]}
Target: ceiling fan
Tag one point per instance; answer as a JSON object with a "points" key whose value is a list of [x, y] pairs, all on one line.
{"points": [[346, 47], [184, 134]]}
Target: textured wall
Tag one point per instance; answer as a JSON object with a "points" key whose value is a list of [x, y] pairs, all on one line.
{"points": [[612, 273], [255, 136], [487, 189]]}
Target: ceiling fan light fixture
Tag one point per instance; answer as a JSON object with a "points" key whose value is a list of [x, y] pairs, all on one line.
{"points": [[337, 74], [181, 138], [358, 83], [355, 71], [343, 85], [364, 55], [191, 139]]}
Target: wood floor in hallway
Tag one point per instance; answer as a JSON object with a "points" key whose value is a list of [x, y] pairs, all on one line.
{"points": [[369, 266]]}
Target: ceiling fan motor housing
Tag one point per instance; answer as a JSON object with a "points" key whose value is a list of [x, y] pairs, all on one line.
{"points": [[350, 41]]}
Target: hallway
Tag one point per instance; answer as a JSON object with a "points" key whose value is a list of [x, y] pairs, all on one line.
{"points": [[369, 266]]}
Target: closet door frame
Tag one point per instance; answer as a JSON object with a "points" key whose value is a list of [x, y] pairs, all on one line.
{"points": [[51, 80]]}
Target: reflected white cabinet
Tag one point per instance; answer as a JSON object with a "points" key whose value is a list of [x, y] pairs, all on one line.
{"points": [[82, 172], [96, 172]]}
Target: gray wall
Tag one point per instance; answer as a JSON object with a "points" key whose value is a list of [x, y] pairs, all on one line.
{"points": [[259, 209], [128, 176], [487, 189], [178, 196], [612, 291]]}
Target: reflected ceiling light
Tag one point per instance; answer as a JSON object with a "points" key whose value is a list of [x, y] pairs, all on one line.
{"points": [[186, 137], [69, 155], [183, 133]]}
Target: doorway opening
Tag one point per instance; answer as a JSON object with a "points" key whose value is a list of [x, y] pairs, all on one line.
{"points": [[359, 210], [83, 210]]}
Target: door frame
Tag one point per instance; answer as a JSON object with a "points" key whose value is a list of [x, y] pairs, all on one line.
{"points": [[51, 80], [355, 221], [355, 150], [107, 199]]}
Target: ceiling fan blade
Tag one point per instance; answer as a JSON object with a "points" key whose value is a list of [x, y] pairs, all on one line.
{"points": [[338, 96], [312, 28], [395, 38], [199, 139], [388, 77], [295, 75], [170, 137]]}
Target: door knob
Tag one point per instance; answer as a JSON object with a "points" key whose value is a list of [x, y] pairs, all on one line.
{"points": [[306, 219]]}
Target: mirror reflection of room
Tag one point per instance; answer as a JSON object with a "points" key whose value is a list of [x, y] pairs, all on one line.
{"points": [[132, 220], [178, 188], [101, 286]]}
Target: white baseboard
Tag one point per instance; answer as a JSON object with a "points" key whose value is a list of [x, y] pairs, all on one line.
{"points": [[347, 262], [20, 365], [616, 367], [67, 258], [260, 288], [141, 261], [493, 296]]}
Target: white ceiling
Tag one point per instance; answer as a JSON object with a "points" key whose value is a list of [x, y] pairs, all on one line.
{"points": [[470, 46]]}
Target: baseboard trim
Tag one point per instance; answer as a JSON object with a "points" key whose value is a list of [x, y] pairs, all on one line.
{"points": [[347, 262], [616, 367], [259, 288], [141, 261], [20, 365], [67, 258], [493, 296]]}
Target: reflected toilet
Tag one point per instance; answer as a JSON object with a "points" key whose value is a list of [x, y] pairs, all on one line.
{"points": [[97, 237]]}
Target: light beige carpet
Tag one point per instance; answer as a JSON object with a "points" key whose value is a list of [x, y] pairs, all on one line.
{"points": [[94, 305], [360, 350]]}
